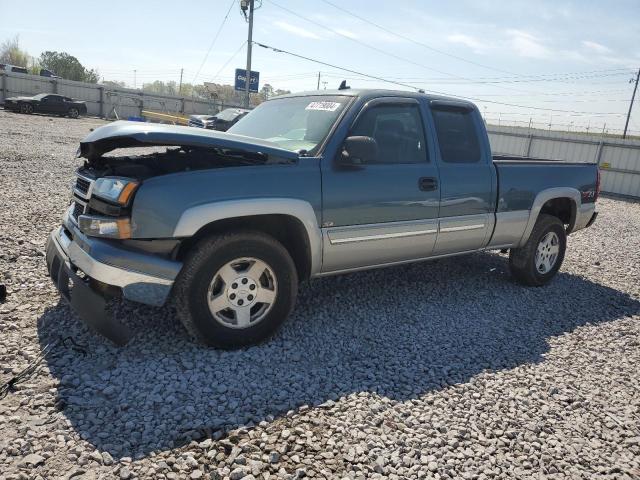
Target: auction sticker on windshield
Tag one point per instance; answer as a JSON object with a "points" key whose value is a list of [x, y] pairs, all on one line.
{"points": [[324, 106]]}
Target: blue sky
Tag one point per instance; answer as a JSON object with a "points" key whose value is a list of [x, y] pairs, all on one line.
{"points": [[561, 55]]}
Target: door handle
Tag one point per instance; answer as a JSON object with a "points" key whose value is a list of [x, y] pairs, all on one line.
{"points": [[428, 184]]}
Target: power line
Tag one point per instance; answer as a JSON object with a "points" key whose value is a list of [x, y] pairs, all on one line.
{"points": [[424, 45], [384, 52], [279, 50], [215, 38], [229, 61], [364, 44]]}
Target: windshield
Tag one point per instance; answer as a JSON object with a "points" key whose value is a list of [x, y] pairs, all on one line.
{"points": [[229, 114], [293, 123]]}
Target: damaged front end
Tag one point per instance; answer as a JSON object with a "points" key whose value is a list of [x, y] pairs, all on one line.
{"points": [[96, 252]]}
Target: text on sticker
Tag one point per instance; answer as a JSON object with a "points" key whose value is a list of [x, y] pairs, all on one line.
{"points": [[325, 106]]}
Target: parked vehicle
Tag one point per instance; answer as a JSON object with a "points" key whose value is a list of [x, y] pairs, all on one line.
{"points": [[221, 121], [306, 185], [47, 73], [46, 103], [13, 68]]}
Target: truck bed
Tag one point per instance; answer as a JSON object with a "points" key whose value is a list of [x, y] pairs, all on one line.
{"points": [[520, 179]]}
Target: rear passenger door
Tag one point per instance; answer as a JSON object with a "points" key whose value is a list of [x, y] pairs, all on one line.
{"points": [[467, 178], [384, 211]]}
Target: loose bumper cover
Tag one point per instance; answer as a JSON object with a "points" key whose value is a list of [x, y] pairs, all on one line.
{"points": [[74, 260]]}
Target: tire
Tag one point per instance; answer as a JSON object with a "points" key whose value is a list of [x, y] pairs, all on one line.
{"points": [[73, 112], [201, 284], [26, 108], [526, 267]]}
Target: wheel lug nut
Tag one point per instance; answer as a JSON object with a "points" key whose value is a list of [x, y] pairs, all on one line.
{"points": [[244, 281], [252, 287], [234, 285], [232, 296], [250, 297], [240, 302]]}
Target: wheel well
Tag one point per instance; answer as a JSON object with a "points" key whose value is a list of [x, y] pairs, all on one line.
{"points": [[288, 230], [562, 208]]}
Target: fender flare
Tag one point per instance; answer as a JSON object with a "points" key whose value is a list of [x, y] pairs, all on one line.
{"points": [[194, 218], [543, 197]]}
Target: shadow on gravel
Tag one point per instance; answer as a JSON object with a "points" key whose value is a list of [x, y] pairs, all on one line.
{"points": [[399, 332]]}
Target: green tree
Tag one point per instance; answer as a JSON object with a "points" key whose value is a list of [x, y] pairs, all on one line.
{"points": [[67, 66], [12, 54], [266, 91]]}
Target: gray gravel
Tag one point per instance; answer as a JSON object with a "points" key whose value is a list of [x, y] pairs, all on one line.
{"points": [[437, 370]]}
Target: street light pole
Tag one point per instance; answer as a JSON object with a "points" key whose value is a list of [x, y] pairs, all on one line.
{"points": [[249, 45], [633, 97]]}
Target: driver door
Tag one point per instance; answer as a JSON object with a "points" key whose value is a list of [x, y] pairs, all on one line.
{"points": [[386, 209]]}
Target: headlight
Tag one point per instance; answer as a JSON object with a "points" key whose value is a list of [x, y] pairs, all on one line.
{"points": [[108, 227], [115, 189]]}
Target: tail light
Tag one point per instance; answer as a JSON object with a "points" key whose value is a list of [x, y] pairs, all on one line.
{"points": [[597, 184]]}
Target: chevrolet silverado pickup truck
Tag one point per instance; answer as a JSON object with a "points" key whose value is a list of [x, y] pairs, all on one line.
{"points": [[226, 224]]}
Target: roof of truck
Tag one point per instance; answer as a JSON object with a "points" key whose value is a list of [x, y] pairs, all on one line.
{"points": [[376, 93]]}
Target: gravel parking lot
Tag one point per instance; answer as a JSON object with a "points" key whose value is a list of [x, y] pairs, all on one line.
{"points": [[436, 370]]}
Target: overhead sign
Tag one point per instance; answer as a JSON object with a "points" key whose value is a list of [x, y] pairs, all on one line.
{"points": [[241, 78]]}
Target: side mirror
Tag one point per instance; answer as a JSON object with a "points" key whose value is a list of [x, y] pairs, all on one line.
{"points": [[357, 151]]}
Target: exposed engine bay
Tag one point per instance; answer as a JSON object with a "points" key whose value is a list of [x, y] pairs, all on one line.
{"points": [[146, 162]]}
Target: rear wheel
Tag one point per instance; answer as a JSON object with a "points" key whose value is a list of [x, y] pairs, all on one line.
{"points": [[26, 108], [236, 289], [537, 262], [73, 112]]}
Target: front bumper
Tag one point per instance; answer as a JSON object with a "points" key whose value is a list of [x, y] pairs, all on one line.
{"points": [[78, 263]]}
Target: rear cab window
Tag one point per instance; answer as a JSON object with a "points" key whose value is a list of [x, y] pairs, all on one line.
{"points": [[457, 133]]}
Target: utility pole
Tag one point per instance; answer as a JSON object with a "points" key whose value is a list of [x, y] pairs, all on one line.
{"points": [[249, 45], [318, 87], [180, 87], [134, 78], [633, 97]]}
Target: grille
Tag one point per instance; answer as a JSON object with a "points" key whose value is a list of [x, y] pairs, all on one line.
{"points": [[78, 209], [196, 123], [82, 185]]}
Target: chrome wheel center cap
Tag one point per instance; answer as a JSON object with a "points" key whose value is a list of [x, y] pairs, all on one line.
{"points": [[242, 292]]}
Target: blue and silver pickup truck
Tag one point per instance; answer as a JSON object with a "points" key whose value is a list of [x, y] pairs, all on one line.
{"points": [[226, 225]]}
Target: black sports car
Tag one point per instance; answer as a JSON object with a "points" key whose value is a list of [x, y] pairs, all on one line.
{"points": [[47, 103], [222, 121]]}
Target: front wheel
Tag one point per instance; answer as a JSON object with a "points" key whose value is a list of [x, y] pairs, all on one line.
{"points": [[235, 289], [537, 262], [74, 113], [26, 108]]}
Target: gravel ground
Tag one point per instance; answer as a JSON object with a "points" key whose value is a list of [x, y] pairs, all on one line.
{"points": [[436, 370]]}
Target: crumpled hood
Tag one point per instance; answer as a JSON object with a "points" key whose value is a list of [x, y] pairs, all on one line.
{"points": [[122, 134]]}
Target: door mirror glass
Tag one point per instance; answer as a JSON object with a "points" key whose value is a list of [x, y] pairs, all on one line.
{"points": [[358, 150]]}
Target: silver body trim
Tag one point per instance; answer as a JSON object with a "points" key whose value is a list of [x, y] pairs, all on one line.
{"points": [[193, 219], [381, 236], [583, 215], [509, 228], [462, 228], [462, 233], [399, 262], [360, 246], [543, 197]]}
